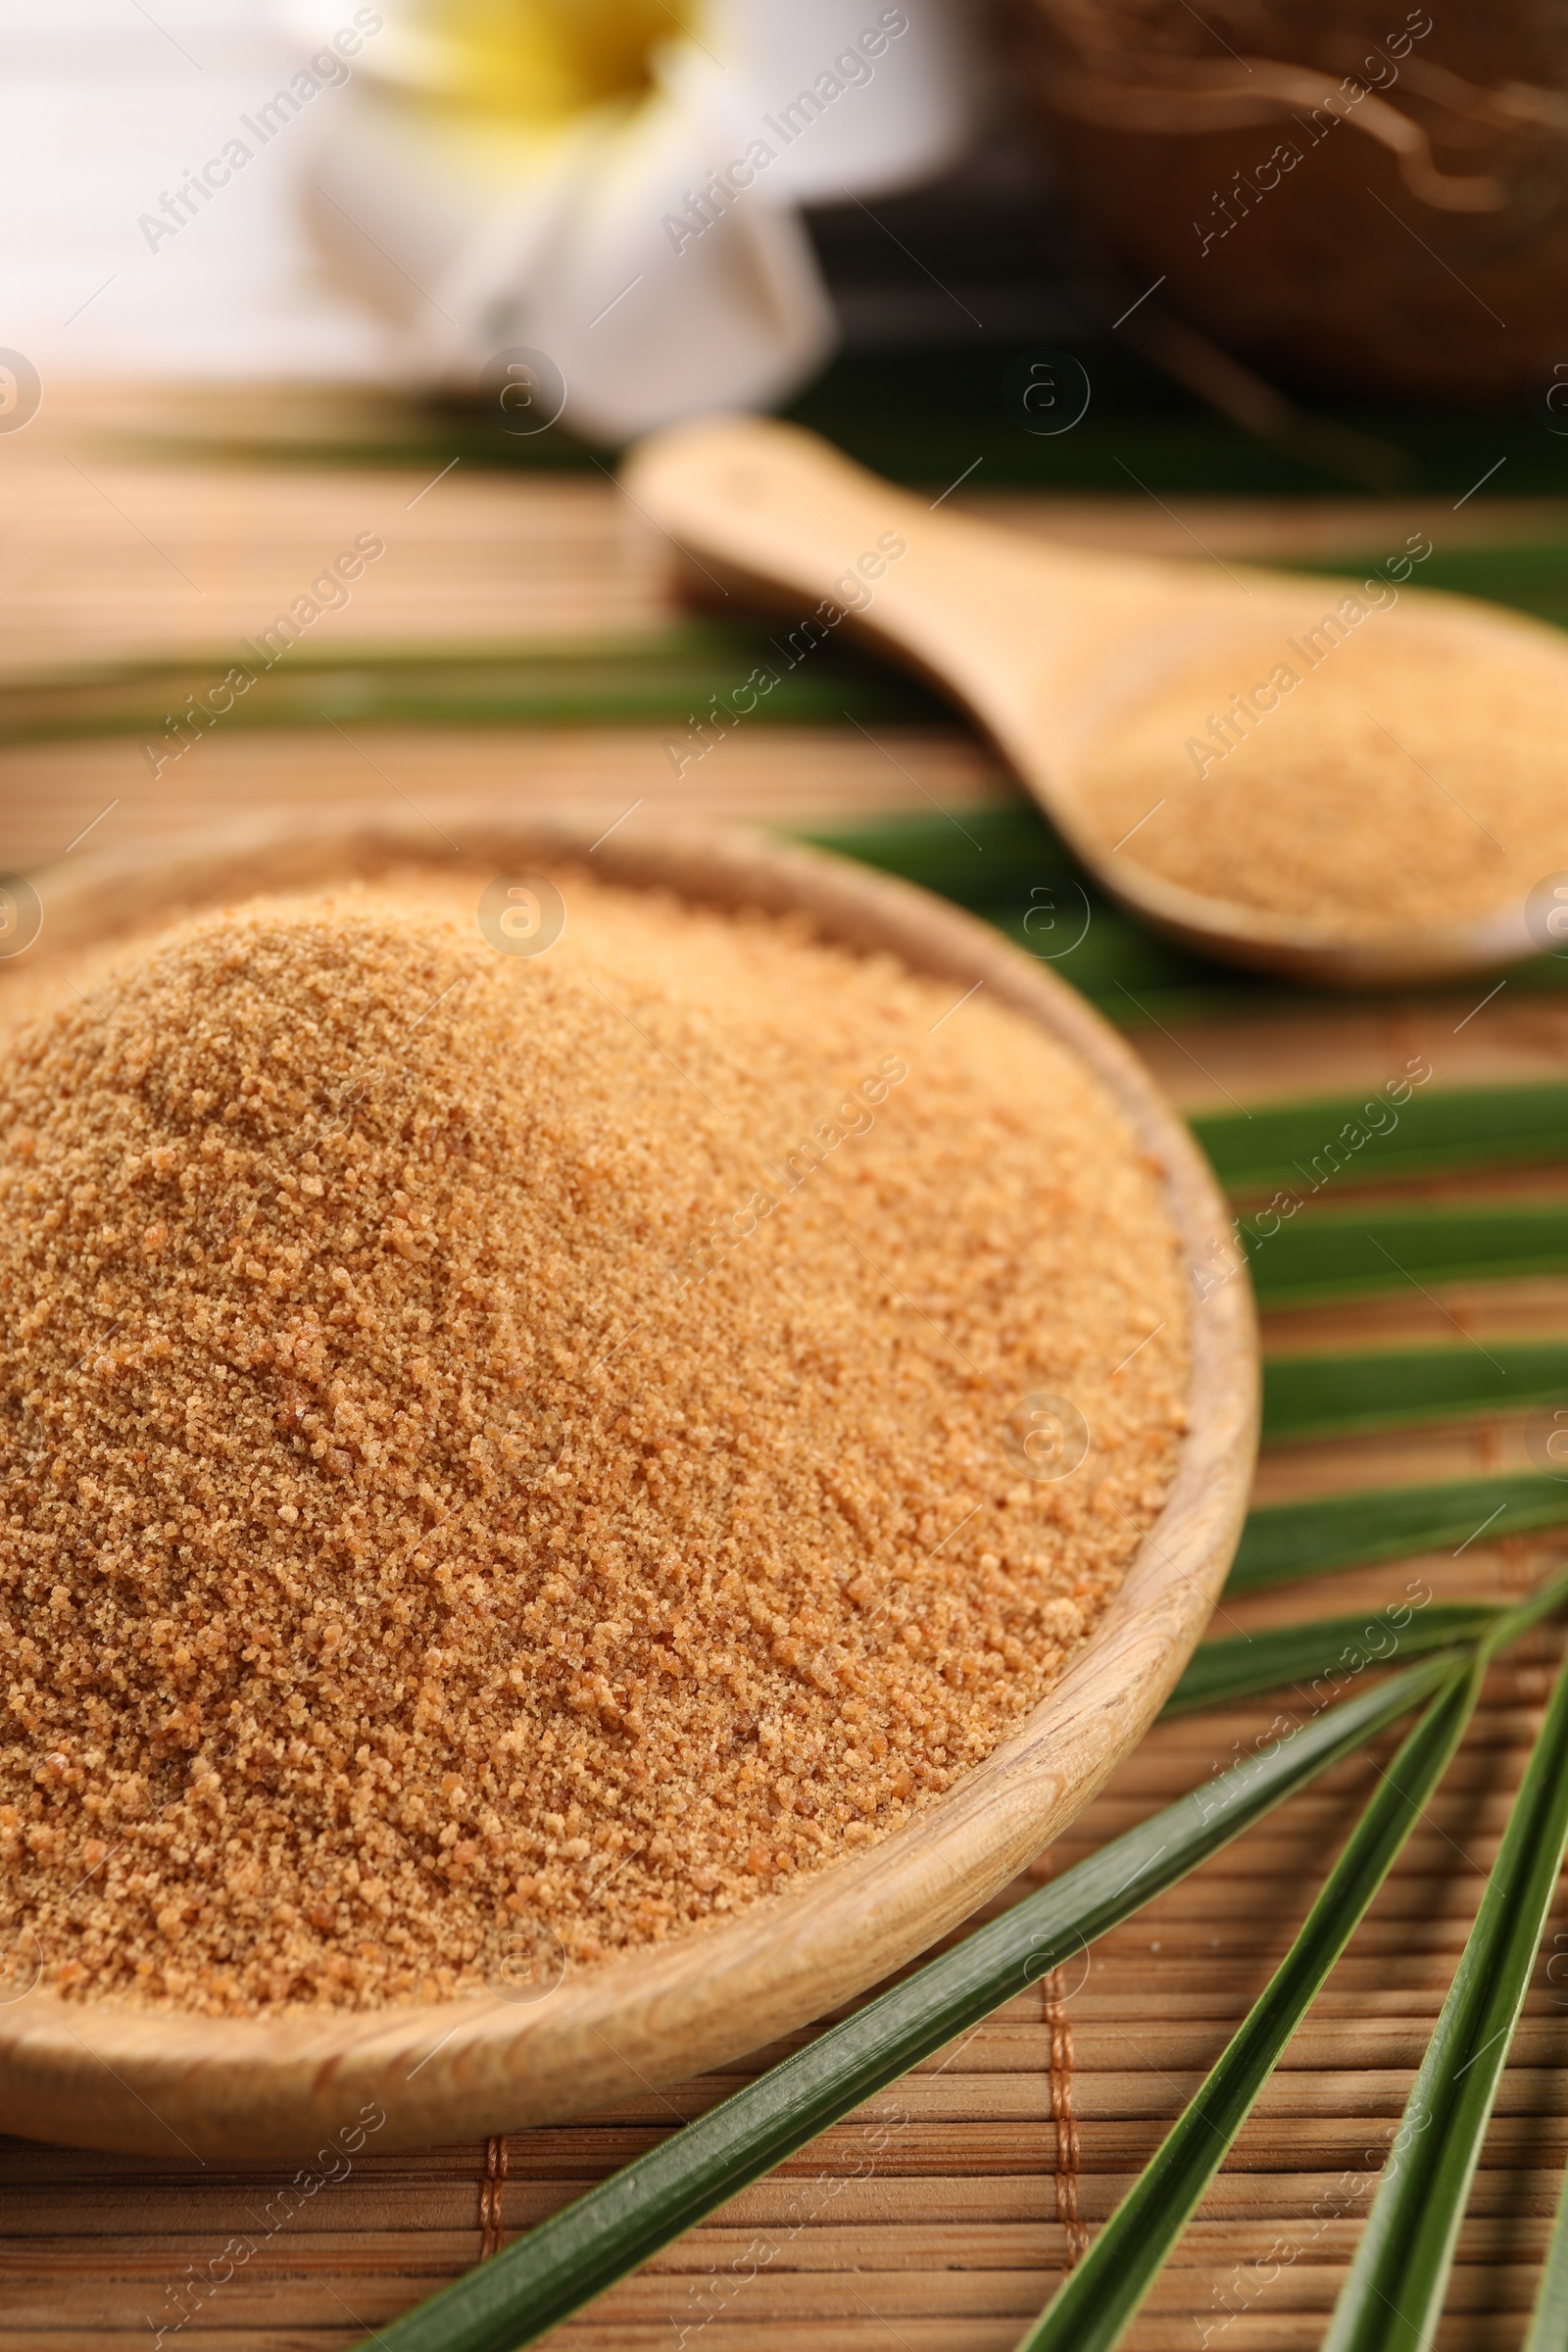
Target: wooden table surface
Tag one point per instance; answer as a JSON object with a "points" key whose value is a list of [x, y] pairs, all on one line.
{"points": [[952, 2231]]}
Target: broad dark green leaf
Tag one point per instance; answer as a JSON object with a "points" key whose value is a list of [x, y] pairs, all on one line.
{"points": [[1005, 864], [1530, 575], [1393, 2299], [921, 412], [1323, 1256], [1388, 1387], [1384, 1522], [1325, 1655], [1302, 1149], [575, 2255]]}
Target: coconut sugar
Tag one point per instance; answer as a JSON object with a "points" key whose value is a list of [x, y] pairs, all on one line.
{"points": [[498, 1445], [1399, 785]]}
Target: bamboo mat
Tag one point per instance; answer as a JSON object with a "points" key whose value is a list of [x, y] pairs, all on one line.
{"points": [[941, 2215]]}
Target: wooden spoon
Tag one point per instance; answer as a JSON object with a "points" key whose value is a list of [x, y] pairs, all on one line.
{"points": [[1051, 648]]}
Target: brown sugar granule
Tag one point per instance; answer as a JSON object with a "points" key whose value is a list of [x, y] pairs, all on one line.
{"points": [[1398, 785], [497, 1443]]}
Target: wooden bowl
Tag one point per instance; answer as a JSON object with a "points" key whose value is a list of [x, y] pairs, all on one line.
{"points": [[169, 2083]]}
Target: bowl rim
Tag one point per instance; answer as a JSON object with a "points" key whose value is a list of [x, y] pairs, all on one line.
{"points": [[179, 2084]]}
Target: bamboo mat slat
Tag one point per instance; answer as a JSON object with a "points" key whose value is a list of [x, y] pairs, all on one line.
{"points": [[112, 560], [948, 2234], [112, 556], [796, 776]]}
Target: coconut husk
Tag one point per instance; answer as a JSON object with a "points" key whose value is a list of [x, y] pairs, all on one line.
{"points": [[1354, 196]]}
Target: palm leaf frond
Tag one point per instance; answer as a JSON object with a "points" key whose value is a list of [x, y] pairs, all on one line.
{"points": [[1393, 2299], [1287, 1539]]}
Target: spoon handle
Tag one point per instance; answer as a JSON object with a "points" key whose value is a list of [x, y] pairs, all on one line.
{"points": [[774, 513]]}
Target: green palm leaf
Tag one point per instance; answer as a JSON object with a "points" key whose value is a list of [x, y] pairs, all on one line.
{"points": [[1393, 2299], [1329, 1651], [1318, 1257], [1390, 1388], [1005, 864], [1098, 2300], [661, 677], [576, 2254], [1287, 1539], [1353, 1139]]}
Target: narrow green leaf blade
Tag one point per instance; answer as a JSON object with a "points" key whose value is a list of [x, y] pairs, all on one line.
{"points": [[1393, 2299], [1340, 1256], [1287, 1539], [1301, 1146], [1097, 2302], [521, 2294], [1100, 2299], [1324, 1652], [713, 667], [1390, 1388]]}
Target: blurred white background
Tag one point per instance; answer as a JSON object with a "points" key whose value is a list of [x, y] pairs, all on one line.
{"points": [[104, 105]]}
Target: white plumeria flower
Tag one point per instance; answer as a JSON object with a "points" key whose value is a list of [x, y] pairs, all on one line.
{"points": [[561, 197]]}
